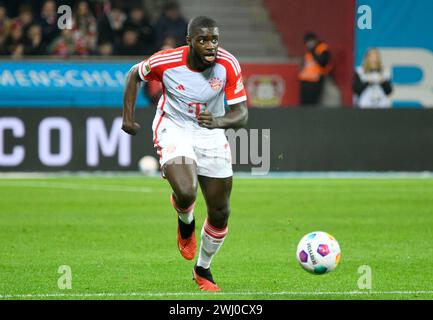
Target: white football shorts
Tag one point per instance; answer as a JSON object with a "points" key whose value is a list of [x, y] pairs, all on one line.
{"points": [[209, 149]]}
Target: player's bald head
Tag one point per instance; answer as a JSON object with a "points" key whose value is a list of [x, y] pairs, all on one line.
{"points": [[198, 23]]}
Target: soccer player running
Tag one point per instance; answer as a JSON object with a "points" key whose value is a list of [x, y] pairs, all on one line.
{"points": [[188, 133]]}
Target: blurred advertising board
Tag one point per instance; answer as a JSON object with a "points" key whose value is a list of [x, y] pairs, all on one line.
{"points": [[278, 139], [101, 84], [64, 84], [271, 85]]}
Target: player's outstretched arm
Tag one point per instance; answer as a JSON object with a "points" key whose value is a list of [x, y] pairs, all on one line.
{"points": [[236, 117], [129, 98]]}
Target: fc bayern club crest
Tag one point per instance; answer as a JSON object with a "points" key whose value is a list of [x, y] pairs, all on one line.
{"points": [[216, 84]]}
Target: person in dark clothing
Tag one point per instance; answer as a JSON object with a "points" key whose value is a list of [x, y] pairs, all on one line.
{"points": [[14, 44], [25, 17], [33, 44], [5, 25], [110, 27], [139, 20], [171, 24], [372, 83], [48, 22], [130, 45], [85, 27], [316, 67]]}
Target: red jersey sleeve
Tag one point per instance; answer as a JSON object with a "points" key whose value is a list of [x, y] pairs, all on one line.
{"points": [[234, 88], [147, 73], [154, 67]]}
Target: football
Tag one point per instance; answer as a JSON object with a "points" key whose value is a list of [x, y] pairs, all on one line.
{"points": [[318, 252]]}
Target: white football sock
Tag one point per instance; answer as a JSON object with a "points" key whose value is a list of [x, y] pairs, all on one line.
{"points": [[211, 241], [185, 215]]}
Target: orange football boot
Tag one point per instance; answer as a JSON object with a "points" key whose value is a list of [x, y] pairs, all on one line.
{"points": [[187, 247], [204, 280]]}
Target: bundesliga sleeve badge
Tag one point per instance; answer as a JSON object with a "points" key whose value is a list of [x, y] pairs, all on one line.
{"points": [[146, 67]]}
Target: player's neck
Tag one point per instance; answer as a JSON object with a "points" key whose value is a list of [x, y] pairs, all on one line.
{"points": [[194, 63]]}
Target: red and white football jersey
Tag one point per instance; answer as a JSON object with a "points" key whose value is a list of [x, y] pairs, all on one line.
{"points": [[187, 92]]}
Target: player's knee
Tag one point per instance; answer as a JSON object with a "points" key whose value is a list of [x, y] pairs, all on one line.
{"points": [[186, 197], [218, 217]]}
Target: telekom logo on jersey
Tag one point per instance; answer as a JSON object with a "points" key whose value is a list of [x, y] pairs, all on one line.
{"points": [[196, 107]]}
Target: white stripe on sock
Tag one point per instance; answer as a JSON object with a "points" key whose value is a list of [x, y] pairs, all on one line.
{"points": [[187, 217], [209, 246]]}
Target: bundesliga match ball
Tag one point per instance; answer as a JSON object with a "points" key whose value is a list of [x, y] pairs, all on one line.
{"points": [[318, 252]]}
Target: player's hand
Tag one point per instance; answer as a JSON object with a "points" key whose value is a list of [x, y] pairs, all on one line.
{"points": [[207, 120], [130, 127]]}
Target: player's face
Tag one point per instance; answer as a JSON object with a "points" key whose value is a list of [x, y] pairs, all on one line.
{"points": [[205, 45]]}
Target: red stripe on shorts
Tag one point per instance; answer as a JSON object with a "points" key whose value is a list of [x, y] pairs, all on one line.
{"points": [[155, 133]]}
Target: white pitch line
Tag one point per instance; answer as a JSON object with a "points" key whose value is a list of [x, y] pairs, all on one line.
{"points": [[242, 175], [121, 188], [171, 294], [71, 186]]}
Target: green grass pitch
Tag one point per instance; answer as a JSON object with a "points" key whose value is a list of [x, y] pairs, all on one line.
{"points": [[118, 235]]}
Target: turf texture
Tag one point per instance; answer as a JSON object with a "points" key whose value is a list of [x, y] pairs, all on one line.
{"points": [[118, 236]]}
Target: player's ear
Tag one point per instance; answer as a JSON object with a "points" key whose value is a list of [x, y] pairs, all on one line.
{"points": [[189, 40]]}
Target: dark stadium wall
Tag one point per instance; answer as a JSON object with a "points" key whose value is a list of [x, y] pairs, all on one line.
{"points": [[63, 139], [348, 139], [332, 20]]}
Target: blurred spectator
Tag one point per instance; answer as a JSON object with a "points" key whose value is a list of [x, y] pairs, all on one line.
{"points": [[25, 17], [372, 83], [316, 66], [14, 44], [33, 44], [171, 24], [66, 45], [5, 25], [138, 19], [48, 21], [85, 26], [130, 44], [100, 8], [105, 49], [98, 27], [169, 43], [110, 28]]}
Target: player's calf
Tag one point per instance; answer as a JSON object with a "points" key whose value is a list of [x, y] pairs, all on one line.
{"points": [[218, 217]]}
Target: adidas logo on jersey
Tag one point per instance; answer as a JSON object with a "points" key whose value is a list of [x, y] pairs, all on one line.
{"points": [[180, 88]]}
